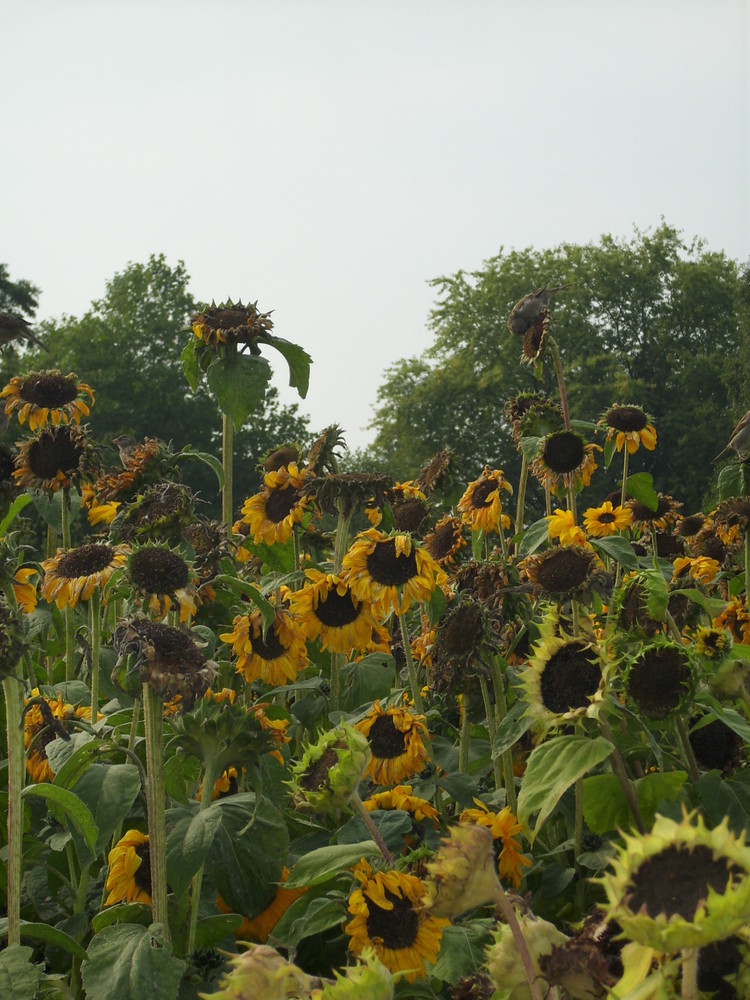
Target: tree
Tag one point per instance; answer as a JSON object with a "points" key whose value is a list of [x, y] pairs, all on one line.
{"points": [[653, 321], [17, 296]]}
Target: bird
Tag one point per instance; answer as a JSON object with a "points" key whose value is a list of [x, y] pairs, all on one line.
{"points": [[740, 438], [526, 311], [14, 327], [126, 445]]}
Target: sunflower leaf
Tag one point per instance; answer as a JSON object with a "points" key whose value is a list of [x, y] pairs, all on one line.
{"points": [[239, 383], [190, 367], [734, 481], [533, 537], [210, 460], [65, 805], [188, 843], [129, 962], [109, 790], [609, 451], [640, 486], [462, 948], [19, 977], [617, 548], [13, 511], [45, 932], [299, 362], [325, 863]]}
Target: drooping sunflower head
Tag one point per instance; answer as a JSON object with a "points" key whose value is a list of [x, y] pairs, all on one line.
{"points": [[481, 505], [660, 679], [323, 456], [162, 578], [566, 571], [715, 543], [401, 798], [462, 875], [445, 540], [159, 514], [283, 502], [58, 458], [129, 875], [681, 885], [260, 971], [410, 513], [44, 719], [437, 475], [347, 492], [396, 745], [666, 513], [163, 656], [460, 648], [274, 655], [329, 772], [47, 396], [486, 582], [731, 512], [641, 603], [327, 609], [73, 576], [532, 414], [232, 324], [716, 746], [505, 830], [535, 339], [689, 526], [208, 540], [280, 456], [630, 426]]}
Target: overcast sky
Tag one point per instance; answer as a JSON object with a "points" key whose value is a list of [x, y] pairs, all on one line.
{"points": [[328, 157]]}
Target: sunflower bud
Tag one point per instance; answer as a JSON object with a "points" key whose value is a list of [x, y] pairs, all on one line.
{"points": [[329, 773], [503, 958], [262, 972], [463, 873], [368, 980]]}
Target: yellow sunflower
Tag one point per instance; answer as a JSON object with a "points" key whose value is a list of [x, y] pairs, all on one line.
{"points": [[24, 589], [388, 916], [667, 512], [701, 568], [630, 426], [328, 609], [564, 460], [562, 525], [445, 540], [504, 828], [162, 578], [390, 572], [47, 395], [129, 876], [272, 513], [396, 745], [73, 576], [401, 797], [275, 659], [42, 723], [481, 507], [606, 520], [259, 928], [52, 461], [735, 619], [408, 496]]}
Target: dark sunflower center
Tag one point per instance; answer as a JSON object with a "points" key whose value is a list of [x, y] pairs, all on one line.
{"points": [[569, 680], [606, 517], [48, 390], [442, 541], [397, 928], [158, 571], [713, 547], [316, 776], [716, 962], [54, 453], [337, 610], [479, 498], [389, 569], [658, 681], [563, 570], [626, 418], [85, 561], [280, 503], [563, 452], [677, 880], [385, 740], [142, 874], [716, 746], [643, 513], [409, 515], [269, 648], [461, 631]]}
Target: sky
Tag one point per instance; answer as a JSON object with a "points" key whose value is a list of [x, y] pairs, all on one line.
{"points": [[327, 158]]}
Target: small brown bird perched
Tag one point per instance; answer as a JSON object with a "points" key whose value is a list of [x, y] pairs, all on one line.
{"points": [[126, 445], [526, 311], [740, 438], [17, 328]]}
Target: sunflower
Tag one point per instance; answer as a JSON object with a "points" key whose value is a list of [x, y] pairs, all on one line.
{"points": [[230, 323], [401, 797], [711, 642], [463, 644], [272, 514], [716, 746], [481, 507], [566, 678], [564, 459], [226, 784], [395, 738], [259, 928], [54, 460], [274, 658], [561, 572], [681, 885], [48, 395], [159, 514], [438, 472], [162, 578], [24, 589], [445, 540], [735, 619], [606, 520], [701, 568], [391, 572], [504, 828], [129, 875], [72, 576], [42, 723], [532, 414], [660, 679], [535, 339], [408, 504], [163, 656], [327, 776], [387, 915], [327, 609], [630, 426], [562, 525]]}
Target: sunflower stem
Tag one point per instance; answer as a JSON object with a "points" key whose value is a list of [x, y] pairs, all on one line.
{"points": [[337, 662], [618, 766], [13, 692], [687, 749], [560, 380], [501, 710], [504, 904], [341, 542], [358, 808], [463, 745], [491, 730], [65, 519], [689, 973], [227, 463], [153, 710], [521, 501], [578, 841], [410, 667], [95, 632], [747, 568], [210, 775]]}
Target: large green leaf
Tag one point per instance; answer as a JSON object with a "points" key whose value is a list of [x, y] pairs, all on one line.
{"points": [[534, 536], [188, 843], [299, 362], [202, 456], [215, 928], [239, 382], [617, 548], [130, 962], [109, 790], [327, 862], [19, 978], [190, 366], [364, 682], [462, 948], [511, 729], [308, 916], [661, 786], [13, 511], [641, 487], [46, 932], [605, 807], [63, 806], [551, 769]]}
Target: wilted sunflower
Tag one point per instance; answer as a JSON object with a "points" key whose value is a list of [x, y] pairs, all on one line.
{"points": [[387, 915], [735, 619], [535, 339], [562, 572], [72, 576], [504, 828], [401, 797], [690, 525], [436, 475], [716, 542], [230, 323], [47, 395], [566, 678], [275, 658], [396, 745], [260, 926], [716, 746], [328, 775], [272, 514], [606, 520], [346, 492], [408, 505], [532, 414], [461, 649], [681, 885], [327, 609], [445, 540], [486, 582], [42, 723], [564, 459], [660, 679], [630, 426], [149, 462], [54, 460], [129, 876], [481, 505], [162, 578], [391, 572], [562, 525]]}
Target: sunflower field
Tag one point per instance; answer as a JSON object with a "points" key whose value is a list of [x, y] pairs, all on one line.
{"points": [[353, 739]]}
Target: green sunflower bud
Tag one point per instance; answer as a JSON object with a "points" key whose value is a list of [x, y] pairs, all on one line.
{"points": [[262, 972], [503, 958], [463, 874], [368, 980], [329, 773]]}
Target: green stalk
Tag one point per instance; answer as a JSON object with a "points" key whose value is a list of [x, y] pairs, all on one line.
{"points": [[578, 841], [521, 501], [689, 974], [501, 710], [68, 613], [341, 542], [13, 692], [618, 766], [153, 710], [463, 745], [358, 808], [503, 903], [560, 380], [210, 776], [227, 463], [491, 730], [687, 749], [95, 631], [337, 662], [416, 692]]}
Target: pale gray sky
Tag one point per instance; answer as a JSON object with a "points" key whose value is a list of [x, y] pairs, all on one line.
{"points": [[328, 157]]}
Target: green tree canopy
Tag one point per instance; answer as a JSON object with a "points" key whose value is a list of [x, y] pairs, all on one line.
{"points": [[17, 296], [654, 320]]}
